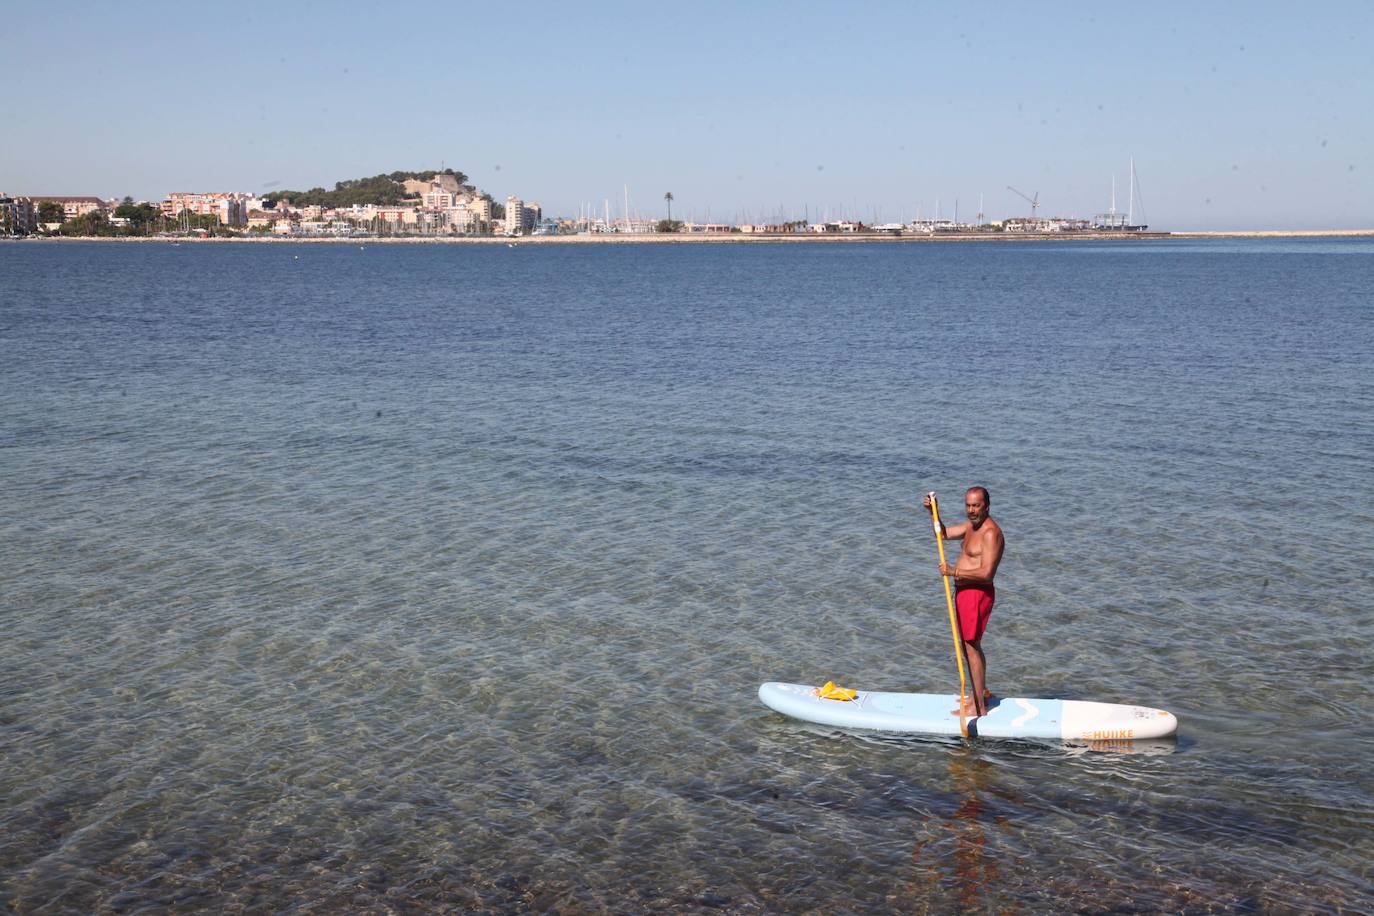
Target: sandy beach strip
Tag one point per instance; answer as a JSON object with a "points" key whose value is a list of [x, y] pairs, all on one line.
{"points": [[1276, 234], [737, 238], [645, 239]]}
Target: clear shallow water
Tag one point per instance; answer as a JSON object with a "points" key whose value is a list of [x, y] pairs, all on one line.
{"points": [[422, 578]]}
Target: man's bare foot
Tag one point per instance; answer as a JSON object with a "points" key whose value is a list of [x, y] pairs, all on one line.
{"points": [[989, 701]]}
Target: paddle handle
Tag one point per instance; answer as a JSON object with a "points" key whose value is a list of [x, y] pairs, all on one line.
{"points": [[949, 601], [935, 522]]}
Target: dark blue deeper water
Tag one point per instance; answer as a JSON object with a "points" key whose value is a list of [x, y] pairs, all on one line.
{"points": [[409, 578]]}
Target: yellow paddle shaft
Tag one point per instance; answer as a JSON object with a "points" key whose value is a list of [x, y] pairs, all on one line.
{"points": [[949, 600]]}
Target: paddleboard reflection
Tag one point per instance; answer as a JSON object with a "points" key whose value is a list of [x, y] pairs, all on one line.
{"points": [[1149, 747]]}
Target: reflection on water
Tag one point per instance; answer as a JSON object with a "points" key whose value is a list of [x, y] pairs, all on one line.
{"points": [[1152, 746], [960, 863]]}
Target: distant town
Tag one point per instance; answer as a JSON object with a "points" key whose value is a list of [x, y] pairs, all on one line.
{"points": [[441, 204]]}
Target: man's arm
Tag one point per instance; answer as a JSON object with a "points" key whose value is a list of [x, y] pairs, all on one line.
{"points": [[954, 532], [951, 533]]}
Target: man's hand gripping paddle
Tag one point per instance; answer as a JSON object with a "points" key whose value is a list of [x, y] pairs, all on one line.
{"points": [[953, 620]]}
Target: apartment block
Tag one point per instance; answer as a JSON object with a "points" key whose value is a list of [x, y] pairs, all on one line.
{"points": [[72, 207], [18, 215], [464, 220], [531, 216], [404, 216], [481, 206], [437, 199], [230, 208]]}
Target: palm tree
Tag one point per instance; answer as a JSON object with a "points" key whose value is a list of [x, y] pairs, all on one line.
{"points": [[669, 198]]}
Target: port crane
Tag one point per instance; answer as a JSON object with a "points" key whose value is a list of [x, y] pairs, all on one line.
{"points": [[1034, 201]]}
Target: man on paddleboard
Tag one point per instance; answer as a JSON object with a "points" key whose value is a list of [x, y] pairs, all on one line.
{"points": [[974, 592]]}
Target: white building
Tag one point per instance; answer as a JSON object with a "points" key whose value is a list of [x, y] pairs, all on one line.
{"points": [[464, 220], [437, 199]]}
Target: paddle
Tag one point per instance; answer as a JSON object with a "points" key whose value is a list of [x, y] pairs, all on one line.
{"points": [[949, 600]]}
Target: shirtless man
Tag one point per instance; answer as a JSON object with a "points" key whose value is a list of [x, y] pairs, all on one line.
{"points": [[974, 592]]}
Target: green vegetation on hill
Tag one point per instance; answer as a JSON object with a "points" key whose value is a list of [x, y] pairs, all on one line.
{"points": [[379, 190]]}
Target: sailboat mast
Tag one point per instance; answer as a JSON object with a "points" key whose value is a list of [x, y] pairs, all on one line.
{"points": [[1130, 208]]}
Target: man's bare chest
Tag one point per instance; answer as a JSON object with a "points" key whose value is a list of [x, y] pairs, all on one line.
{"points": [[974, 542]]}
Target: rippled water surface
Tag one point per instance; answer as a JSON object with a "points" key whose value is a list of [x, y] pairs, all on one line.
{"points": [[408, 578]]}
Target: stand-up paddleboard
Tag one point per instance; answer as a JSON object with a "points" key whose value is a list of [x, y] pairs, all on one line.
{"points": [[1011, 717]]}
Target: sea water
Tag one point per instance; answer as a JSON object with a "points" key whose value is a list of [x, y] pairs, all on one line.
{"points": [[408, 578]]}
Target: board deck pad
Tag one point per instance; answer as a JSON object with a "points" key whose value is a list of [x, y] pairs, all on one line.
{"points": [[1010, 717]]}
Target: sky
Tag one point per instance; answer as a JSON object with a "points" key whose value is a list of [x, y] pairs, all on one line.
{"points": [[1237, 115]]}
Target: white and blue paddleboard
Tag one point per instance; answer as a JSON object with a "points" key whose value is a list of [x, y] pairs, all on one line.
{"points": [[1010, 717]]}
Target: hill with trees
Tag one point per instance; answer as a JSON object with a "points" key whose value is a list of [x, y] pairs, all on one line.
{"points": [[379, 190]]}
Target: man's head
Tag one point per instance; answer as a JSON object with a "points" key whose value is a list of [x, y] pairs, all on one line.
{"points": [[977, 505]]}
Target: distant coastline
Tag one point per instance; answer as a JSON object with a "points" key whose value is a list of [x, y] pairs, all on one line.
{"points": [[731, 238], [1275, 234]]}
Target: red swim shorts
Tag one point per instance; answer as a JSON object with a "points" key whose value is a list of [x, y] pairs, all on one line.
{"points": [[974, 604]]}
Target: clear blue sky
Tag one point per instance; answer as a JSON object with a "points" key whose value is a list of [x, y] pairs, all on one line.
{"points": [[1239, 115]]}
